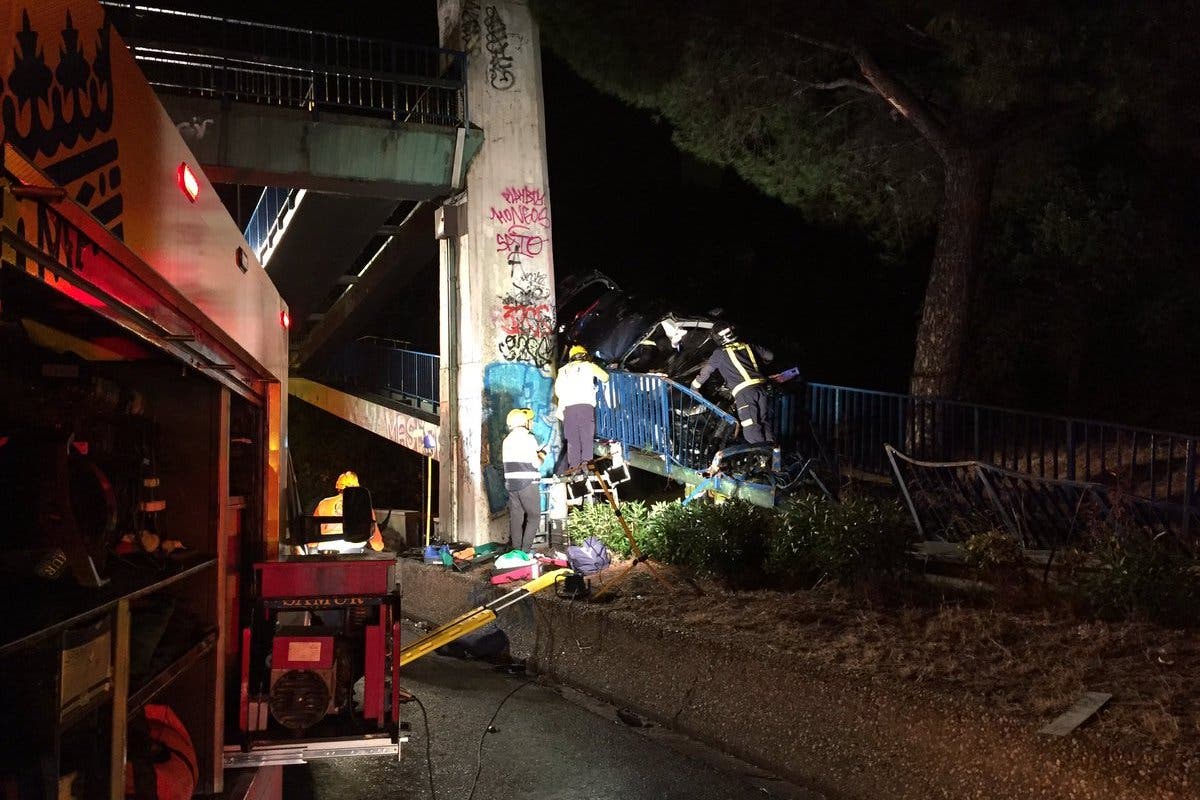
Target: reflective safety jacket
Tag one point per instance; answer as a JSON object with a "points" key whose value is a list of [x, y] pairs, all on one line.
{"points": [[521, 459], [738, 364], [332, 507], [576, 383]]}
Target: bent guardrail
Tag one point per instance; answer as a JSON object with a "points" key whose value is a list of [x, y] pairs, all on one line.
{"points": [[657, 415], [857, 423]]}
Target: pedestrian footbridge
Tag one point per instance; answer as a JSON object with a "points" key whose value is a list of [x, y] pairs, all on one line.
{"points": [[351, 137]]}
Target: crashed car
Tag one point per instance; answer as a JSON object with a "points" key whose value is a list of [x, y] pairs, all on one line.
{"points": [[634, 334], [631, 333]]}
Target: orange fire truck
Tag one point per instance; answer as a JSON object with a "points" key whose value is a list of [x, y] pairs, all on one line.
{"points": [[143, 368]]}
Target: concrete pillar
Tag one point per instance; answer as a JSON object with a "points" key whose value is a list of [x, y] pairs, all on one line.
{"points": [[497, 270]]}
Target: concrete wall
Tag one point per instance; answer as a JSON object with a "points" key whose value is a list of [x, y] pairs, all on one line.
{"points": [[498, 322]]}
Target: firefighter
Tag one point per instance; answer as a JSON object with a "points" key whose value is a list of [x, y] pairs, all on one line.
{"points": [[575, 388], [738, 365], [522, 469], [332, 507]]}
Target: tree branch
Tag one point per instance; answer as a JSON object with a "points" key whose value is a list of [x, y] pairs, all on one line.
{"points": [[922, 117], [832, 47], [840, 83]]}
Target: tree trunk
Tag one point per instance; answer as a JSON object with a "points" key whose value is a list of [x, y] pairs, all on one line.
{"points": [[941, 338]]}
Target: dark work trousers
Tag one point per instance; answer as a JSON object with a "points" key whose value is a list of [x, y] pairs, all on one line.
{"points": [[579, 428], [524, 512], [754, 414]]}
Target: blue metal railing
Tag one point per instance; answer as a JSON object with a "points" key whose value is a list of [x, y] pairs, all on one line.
{"points": [[851, 426], [274, 204], [377, 365], [657, 415], [857, 423], [212, 56]]}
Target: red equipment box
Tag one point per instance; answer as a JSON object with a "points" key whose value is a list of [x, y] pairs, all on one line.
{"points": [[328, 576]]}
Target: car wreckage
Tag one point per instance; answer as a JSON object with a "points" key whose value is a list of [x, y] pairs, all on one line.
{"points": [[628, 333]]}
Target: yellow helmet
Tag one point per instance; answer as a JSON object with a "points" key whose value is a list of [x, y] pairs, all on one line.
{"points": [[519, 418], [577, 351], [345, 479]]}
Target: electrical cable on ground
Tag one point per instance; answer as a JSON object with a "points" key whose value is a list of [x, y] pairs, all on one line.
{"points": [[428, 747], [483, 738]]}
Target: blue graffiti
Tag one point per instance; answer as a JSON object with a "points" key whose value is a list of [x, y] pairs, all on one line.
{"points": [[506, 386]]}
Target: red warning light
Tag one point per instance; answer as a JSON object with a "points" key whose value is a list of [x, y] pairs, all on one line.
{"points": [[285, 319], [188, 183]]}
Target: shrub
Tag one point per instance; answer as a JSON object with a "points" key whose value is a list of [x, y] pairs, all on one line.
{"points": [[1141, 577], [992, 551], [598, 519], [818, 539], [727, 540]]}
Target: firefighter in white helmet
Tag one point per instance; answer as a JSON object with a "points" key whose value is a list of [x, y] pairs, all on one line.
{"points": [[332, 507], [522, 468], [740, 366]]}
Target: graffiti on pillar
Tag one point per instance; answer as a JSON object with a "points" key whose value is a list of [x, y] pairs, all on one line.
{"points": [[500, 63], [525, 315], [526, 219], [509, 386], [470, 25], [525, 310]]}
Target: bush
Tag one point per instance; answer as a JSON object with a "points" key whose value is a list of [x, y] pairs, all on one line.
{"points": [[993, 552], [728, 540], [818, 540], [598, 519], [1141, 577]]}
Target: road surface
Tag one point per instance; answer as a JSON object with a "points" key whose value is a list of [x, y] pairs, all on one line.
{"points": [[546, 746]]}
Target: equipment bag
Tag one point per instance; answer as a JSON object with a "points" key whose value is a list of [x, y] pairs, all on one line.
{"points": [[161, 761], [590, 557]]}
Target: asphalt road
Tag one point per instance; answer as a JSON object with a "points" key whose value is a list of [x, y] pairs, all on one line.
{"points": [[547, 745]]}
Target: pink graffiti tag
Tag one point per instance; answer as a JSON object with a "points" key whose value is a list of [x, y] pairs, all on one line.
{"points": [[526, 219], [521, 215], [519, 240], [524, 194]]}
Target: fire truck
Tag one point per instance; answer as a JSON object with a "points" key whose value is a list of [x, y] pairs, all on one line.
{"points": [[143, 370]]}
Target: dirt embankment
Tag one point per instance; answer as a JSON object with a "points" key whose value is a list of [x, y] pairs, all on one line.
{"points": [[869, 702]]}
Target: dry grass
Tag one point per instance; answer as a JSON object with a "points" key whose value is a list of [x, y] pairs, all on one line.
{"points": [[1028, 666]]}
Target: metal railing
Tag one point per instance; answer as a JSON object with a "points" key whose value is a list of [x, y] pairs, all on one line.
{"points": [[269, 218], [856, 424], [659, 416], [377, 366], [192, 53], [851, 426]]}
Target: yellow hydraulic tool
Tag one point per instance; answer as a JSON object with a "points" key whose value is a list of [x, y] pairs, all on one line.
{"points": [[476, 618]]}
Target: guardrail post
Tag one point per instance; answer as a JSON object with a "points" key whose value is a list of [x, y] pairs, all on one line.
{"points": [[1070, 449], [1189, 485], [975, 431]]}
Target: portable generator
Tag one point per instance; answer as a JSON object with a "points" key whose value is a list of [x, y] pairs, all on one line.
{"points": [[322, 643]]}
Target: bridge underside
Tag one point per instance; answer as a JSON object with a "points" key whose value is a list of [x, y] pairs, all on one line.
{"points": [[403, 254], [396, 422], [263, 145]]}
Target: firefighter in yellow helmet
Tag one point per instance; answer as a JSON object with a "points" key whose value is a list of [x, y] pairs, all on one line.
{"points": [[575, 388], [332, 507], [522, 468]]}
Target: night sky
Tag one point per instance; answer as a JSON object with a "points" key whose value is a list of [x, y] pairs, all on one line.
{"points": [[627, 202]]}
